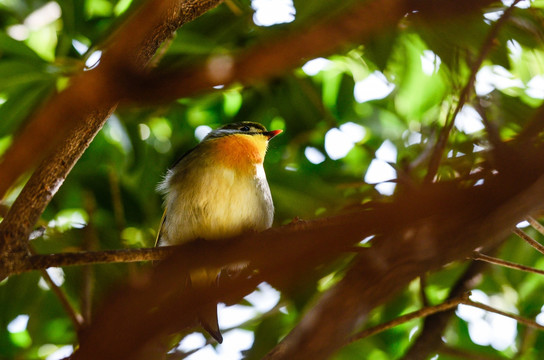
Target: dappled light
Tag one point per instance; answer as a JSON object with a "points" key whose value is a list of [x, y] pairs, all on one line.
{"points": [[272, 12]]}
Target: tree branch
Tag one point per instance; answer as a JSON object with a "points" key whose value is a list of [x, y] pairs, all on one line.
{"points": [[529, 240], [429, 339], [424, 312], [516, 317], [358, 23], [466, 355], [44, 261], [75, 317], [536, 224], [492, 260]]}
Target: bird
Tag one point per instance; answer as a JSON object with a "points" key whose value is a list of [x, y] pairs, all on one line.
{"points": [[217, 190]]}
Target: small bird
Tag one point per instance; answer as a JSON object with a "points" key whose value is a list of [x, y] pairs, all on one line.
{"points": [[217, 190]]}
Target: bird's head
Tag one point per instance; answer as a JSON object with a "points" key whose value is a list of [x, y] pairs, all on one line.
{"points": [[241, 142], [243, 128]]}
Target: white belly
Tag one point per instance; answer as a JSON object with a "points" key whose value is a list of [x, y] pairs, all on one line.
{"points": [[222, 204]]}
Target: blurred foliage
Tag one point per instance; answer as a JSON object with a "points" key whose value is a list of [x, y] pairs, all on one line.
{"points": [[109, 200]]}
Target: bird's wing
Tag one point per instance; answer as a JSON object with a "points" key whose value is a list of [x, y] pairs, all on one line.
{"points": [[163, 220], [182, 157]]}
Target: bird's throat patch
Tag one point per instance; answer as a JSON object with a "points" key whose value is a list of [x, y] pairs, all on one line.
{"points": [[238, 151]]}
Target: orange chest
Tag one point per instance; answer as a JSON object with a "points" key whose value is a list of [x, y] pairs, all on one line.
{"points": [[240, 151]]}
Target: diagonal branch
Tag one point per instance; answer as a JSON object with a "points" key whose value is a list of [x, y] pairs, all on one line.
{"points": [[492, 260], [75, 317], [426, 311], [430, 337], [356, 24], [535, 244], [520, 319], [536, 224]]}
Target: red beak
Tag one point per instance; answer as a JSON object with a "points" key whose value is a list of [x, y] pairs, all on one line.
{"points": [[271, 134]]}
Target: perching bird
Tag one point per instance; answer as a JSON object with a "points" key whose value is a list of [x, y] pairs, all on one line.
{"points": [[218, 190]]}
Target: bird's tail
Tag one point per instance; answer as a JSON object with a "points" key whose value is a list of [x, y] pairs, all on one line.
{"points": [[200, 278], [208, 320], [207, 315]]}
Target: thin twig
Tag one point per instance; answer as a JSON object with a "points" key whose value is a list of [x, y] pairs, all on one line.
{"points": [[536, 224], [430, 310], [429, 339], [486, 47], [41, 261], [492, 260], [520, 319], [522, 234], [426, 311], [75, 317]]}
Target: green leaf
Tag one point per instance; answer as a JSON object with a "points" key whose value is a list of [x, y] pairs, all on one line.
{"points": [[12, 47], [20, 104]]}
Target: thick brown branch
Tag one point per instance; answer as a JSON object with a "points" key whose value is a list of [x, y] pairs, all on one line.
{"points": [[466, 355], [358, 23]]}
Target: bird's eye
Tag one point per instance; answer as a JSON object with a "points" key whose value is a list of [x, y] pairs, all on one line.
{"points": [[244, 128]]}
